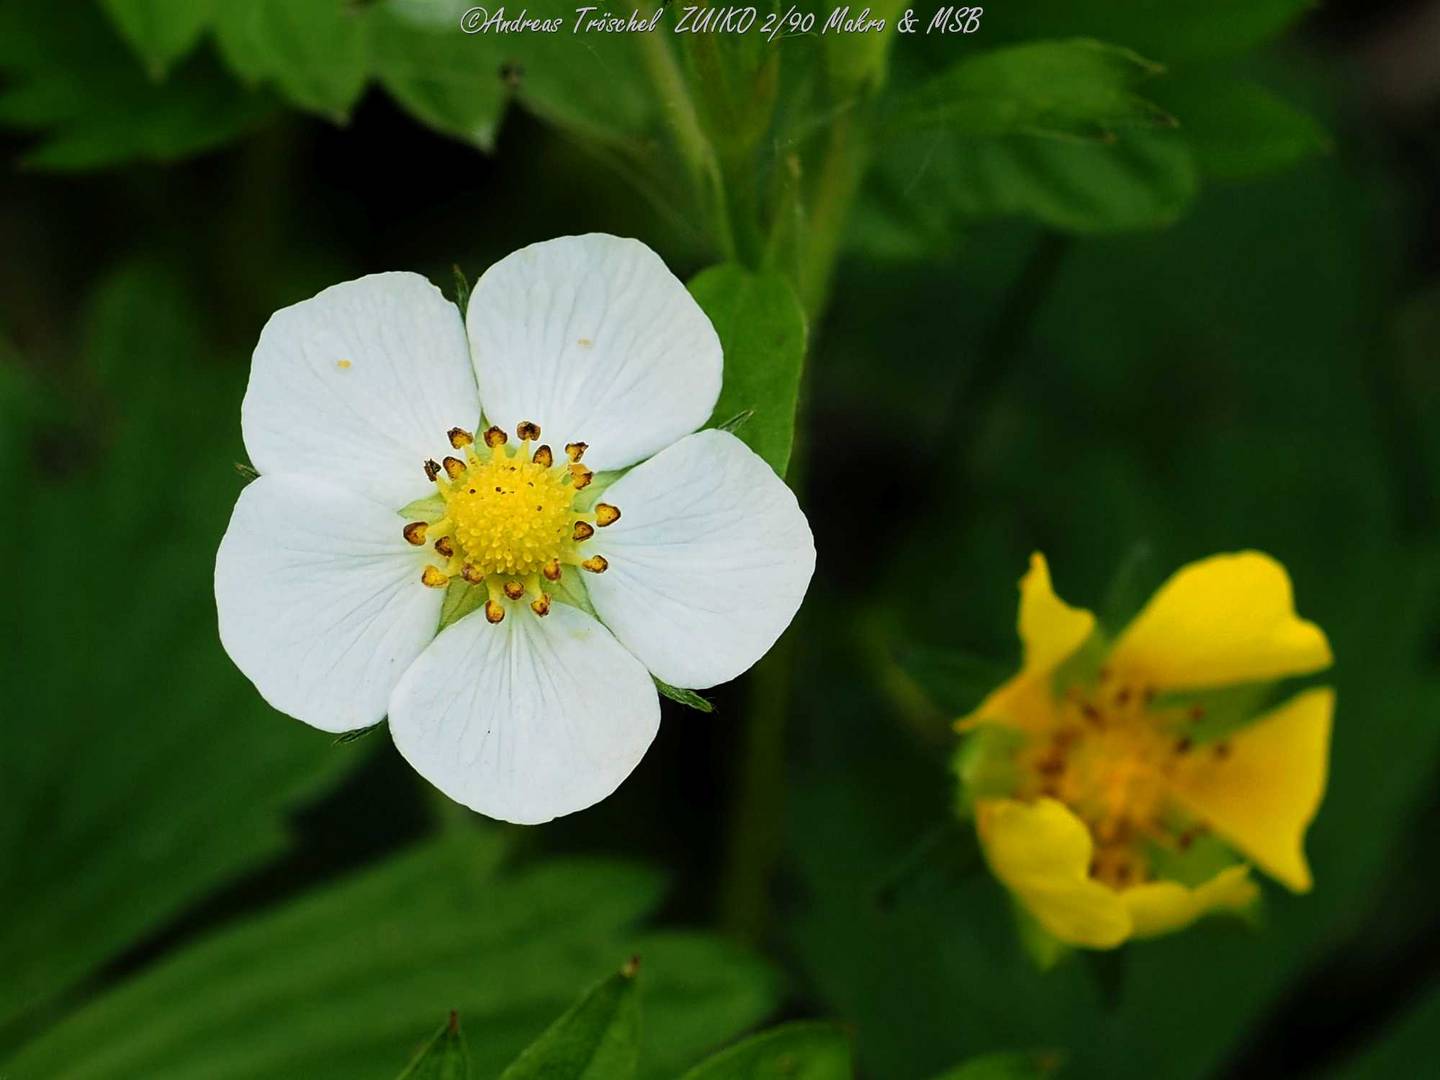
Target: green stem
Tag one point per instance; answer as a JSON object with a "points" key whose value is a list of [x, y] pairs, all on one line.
{"points": [[757, 816], [690, 139], [839, 177]]}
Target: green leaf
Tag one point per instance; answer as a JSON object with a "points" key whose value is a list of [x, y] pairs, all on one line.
{"points": [[1237, 128], [1005, 1066], [351, 975], [160, 31], [685, 697], [315, 52], [597, 1039], [439, 74], [1130, 588], [929, 188], [798, 1051], [1171, 31], [162, 774], [1078, 88], [459, 82], [74, 84], [444, 1057], [762, 330]]}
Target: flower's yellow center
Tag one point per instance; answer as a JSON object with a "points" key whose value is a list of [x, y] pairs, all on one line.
{"points": [[509, 522], [510, 516], [1108, 755]]}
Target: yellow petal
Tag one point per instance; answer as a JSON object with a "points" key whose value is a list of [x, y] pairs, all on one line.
{"points": [[1223, 620], [1041, 852], [1050, 631], [1264, 792], [1160, 907]]}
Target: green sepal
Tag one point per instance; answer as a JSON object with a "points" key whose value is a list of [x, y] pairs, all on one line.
{"points": [[736, 422], [429, 509], [444, 1057], [248, 473], [1043, 948], [462, 290], [685, 697], [1210, 715], [356, 735], [461, 599], [1131, 586], [984, 763]]}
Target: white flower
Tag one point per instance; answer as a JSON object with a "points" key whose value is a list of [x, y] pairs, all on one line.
{"points": [[331, 578]]}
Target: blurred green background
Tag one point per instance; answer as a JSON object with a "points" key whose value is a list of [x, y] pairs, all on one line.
{"points": [[1202, 321]]}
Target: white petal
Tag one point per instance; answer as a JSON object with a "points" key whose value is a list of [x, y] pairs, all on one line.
{"points": [[320, 601], [708, 562], [596, 341], [528, 719], [359, 385]]}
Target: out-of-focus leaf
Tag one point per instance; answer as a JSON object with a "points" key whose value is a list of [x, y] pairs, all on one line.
{"points": [[1238, 128], [928, 188], [72, 82], [1400, 1051], [444, 77], [799, 1051], [444, 1057], [592, 85], [1170, 31], [762, 330], [344, 980], [1079, 88], [598, 1037], [1004, 1066], [685, 697], [315, 52], [161, 773], [160, 31], [955, 681]]}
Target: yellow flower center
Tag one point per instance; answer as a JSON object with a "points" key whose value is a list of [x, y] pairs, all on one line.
{"points": [[1108, 756], [510, 516], [508, 522]]}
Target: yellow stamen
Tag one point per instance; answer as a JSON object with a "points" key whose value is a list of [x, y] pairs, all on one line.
{"points": [[576, 450], [605, 514], [509, 522], [434, 577]]}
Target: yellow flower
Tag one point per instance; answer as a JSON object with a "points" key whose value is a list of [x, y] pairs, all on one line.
{"points": [[1108, 798]]}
